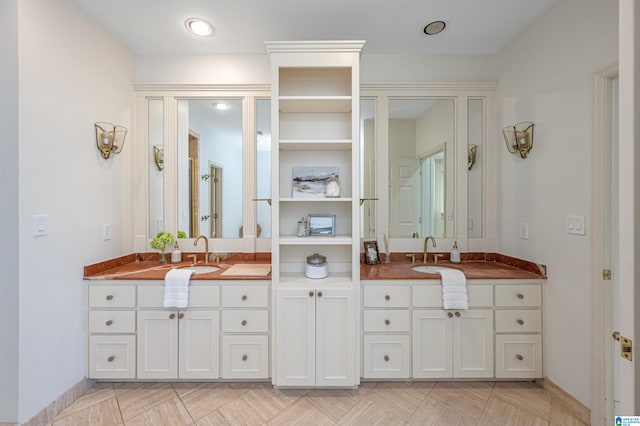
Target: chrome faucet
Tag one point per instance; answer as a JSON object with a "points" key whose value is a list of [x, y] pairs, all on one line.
{"points": [[426, 247], [206, 247]]}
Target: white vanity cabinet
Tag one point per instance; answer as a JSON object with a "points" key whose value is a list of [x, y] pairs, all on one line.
{"points": [[112, 327], [178, 343], [316, 337]]}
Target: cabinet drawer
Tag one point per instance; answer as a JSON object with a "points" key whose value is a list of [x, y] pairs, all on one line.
{"points": [[519, 295], [112, 321], [430, 296], [387, 320], [518, 321], [386, 296], [245, 357], [245, 297], [386, 356], [245, 321], [112, 357], [152, 296], [111, 296], [518, 356]]}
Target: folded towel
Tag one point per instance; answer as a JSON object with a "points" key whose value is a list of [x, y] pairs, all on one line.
{"points": [[176, 288], [454, 289]]}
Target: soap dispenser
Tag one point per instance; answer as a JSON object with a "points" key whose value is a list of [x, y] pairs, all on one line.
{"points": [[454, 256], [176, 255]]}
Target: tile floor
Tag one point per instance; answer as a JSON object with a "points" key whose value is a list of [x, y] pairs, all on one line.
{"points": [[381, 403]]}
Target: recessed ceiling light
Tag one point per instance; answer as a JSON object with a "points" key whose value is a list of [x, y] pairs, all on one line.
{"points": [[435, 27], [199, 26], [220, 106]]}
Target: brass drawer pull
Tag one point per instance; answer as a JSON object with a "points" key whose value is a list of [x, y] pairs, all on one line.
{"points": [[311, 294], [457, 314], [172, 316], [387, 322], [449, 314], [520, 321], [387, 297], [109, 296], [319, 294], [519, 357], [520, 296], [108, 323], [244, 322], [386, 358], [244, 357], [244, 297], [180, 315], [111, 358]]}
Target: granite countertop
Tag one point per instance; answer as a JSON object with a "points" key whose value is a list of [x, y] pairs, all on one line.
{"points": [[473, 270]]}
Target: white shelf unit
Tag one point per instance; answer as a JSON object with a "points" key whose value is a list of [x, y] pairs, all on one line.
{"points": [[315, 123]]}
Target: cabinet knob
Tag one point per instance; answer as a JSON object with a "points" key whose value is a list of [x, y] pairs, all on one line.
{"points": [[244, 322], [519, 357], [111, 358], [387, 297], [520, 296], [311, 294], [319, 294], [109, 296], [386, 358], [449, 314], [180, 315], [172, 316], [244, 357], [244, 297], [457, 314], [387, 322], [520, 321], [108, 323]]}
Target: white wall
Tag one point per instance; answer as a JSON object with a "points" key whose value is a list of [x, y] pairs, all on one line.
{"points": [[9, 211], [546, 78], [72, 74]]}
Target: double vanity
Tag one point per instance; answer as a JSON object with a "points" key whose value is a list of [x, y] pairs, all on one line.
{"points": [[226, 332]]}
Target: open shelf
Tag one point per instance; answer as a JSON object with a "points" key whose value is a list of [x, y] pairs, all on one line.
{"points": [[335, 278], [337, 240], [315, 145], [315, 103]]}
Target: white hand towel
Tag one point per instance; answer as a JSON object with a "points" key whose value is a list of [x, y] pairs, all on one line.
{"points": [[454, 289], [176, 288]]}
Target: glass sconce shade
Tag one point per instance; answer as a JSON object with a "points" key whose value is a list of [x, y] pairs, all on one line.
{"points": [[158, 151], [471, 156], [109, 138], [519, 138]]}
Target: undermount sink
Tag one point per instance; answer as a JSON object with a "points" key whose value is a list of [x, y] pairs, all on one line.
{"points": [[201, 269], [429, 269]]}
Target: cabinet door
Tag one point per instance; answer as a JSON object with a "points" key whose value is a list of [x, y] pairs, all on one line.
{"points": [[199, 347], [295, 337], [432, 337], [335, 337], [473, 343], [157, 344]]}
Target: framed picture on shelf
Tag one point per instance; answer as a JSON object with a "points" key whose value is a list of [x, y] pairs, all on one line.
{"points": [[371, 256], [322, 225], [315, 182]]}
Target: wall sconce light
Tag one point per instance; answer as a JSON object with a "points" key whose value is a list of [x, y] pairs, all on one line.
{"points": [[158, 151], [109, 138], [471, 156], [519, 138]]}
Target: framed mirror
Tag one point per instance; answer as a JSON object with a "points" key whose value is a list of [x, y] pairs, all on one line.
{"points": [[155, 128], [475, 157], [368, 180]]}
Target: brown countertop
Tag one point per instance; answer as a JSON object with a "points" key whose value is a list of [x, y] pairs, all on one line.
{"points": [[473, 270]]}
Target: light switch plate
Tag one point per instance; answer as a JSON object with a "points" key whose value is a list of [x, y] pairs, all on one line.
{"points": [[576, 225], [40, 225], [106, 231], [524, 231]]}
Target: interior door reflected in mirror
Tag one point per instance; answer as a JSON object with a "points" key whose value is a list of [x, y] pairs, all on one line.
{"points": [[210, 168], [421, 168]]}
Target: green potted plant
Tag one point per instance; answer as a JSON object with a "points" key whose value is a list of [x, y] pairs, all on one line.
{"points": [[160, 241]]}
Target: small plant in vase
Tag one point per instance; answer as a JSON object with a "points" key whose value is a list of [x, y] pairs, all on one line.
{"points": [[160, 241]]}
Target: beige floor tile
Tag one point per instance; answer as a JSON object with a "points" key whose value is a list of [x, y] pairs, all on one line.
{"points": [[302, 413], [136, 398], [89, 398], [213, 419], [239, 412], [396, 398], [366, 387], [469, 397], [500, 412], [435, 412], [202, 401], [242, 386], [268, 403], [184, 387], [368, 413], [527, 395], [333, 403], [562, 416], [103, 413], [169, 413]]}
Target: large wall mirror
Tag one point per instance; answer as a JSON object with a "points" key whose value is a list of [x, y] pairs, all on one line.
{"points": [[368, 168], [421, 155], [475, 157], [155, 124], [263, 167], [209, 168]]}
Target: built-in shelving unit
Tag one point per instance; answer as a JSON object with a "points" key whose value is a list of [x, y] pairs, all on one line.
{"points": [[315, 123]]}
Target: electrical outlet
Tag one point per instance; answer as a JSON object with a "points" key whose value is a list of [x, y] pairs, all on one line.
{"points": [[524, 231], [106, 231]]}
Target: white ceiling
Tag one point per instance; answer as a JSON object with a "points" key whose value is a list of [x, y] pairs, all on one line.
{"points": [[474, 27]]}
